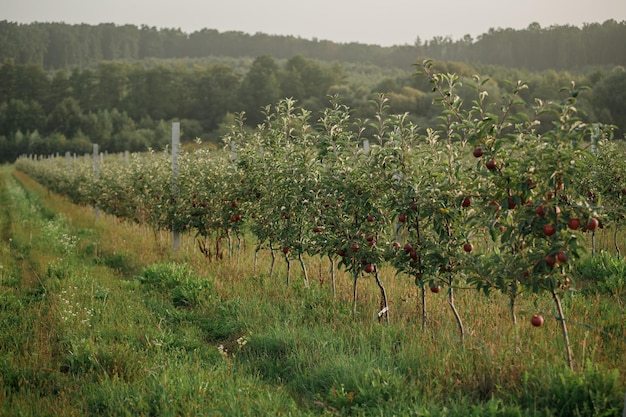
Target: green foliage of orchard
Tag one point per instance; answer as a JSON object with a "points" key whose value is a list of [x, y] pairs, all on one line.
{"points": [[498, 219], [82, 339]]}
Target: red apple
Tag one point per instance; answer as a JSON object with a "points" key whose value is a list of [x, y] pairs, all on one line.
{"points": [[573, 223], [355, 247], [550, 261], [491, 165], [369, 268], [592, 224], [341, 252], [549, 230], [467, 201], [435, 288], [285, 250], [511, 203], [408, 247], [396, 245], [536, 320], [468, 247], [541, 210], [562, 257], [478, 152], [402, 218]]}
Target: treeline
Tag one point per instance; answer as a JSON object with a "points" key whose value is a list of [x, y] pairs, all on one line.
{"points": [[59, 45], [124, 106], [129, 106]]}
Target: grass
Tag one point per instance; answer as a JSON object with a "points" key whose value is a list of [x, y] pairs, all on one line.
{"points": [[98, 318]]}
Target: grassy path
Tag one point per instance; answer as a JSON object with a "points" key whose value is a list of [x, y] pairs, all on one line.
{"points": [[79, 338]]}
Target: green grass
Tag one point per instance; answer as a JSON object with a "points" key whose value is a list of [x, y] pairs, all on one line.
{"points": [[97, 318]]}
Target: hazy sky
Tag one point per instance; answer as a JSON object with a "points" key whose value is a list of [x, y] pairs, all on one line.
{"points": [[383, 22]]}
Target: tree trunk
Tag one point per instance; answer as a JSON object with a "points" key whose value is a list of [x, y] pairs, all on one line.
{"points": [[256, 259], [332, 276], [384, 307], [273, 263], [456, 314], [619, 253], [354, 293], [568, 347], [303, 265]]}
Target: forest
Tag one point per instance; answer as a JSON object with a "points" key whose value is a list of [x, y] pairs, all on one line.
{"points": [[64, 87], [59, 45]]}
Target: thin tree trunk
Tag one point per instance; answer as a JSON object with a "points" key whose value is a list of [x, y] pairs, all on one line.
{"points": [[593, 243], [303, 265], [514, 319], [568, 347], [332, 276], [619, 253], [218, 246], [512, 307], [239, 247], [273, 263], [456, 314], [384, 307], [230, 244], [354, 293], [423, 291], [256, 259], [288, 268]]}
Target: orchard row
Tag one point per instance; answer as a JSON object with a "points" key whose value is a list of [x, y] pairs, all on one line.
{"points": [[495, 198]]}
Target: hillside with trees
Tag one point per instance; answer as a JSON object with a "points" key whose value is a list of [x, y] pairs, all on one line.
{"points": [[64, 87], [59, 45]]}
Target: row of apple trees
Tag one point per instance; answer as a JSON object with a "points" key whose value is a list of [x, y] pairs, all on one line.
{"points": [[496, 198]]}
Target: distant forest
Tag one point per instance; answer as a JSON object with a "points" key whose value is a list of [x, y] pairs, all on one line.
{"points": [[59, 45], [64, 87]]}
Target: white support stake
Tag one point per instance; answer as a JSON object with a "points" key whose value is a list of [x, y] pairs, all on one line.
{"points": [[96, 173], [233, 151], [595, 135], [175, 146]]}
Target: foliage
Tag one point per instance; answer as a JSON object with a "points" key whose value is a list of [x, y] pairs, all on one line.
{"points": [[252, 345], [58, 45]]}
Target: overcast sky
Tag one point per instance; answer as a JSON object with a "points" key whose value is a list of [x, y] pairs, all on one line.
{"points": [[382, 22]]}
